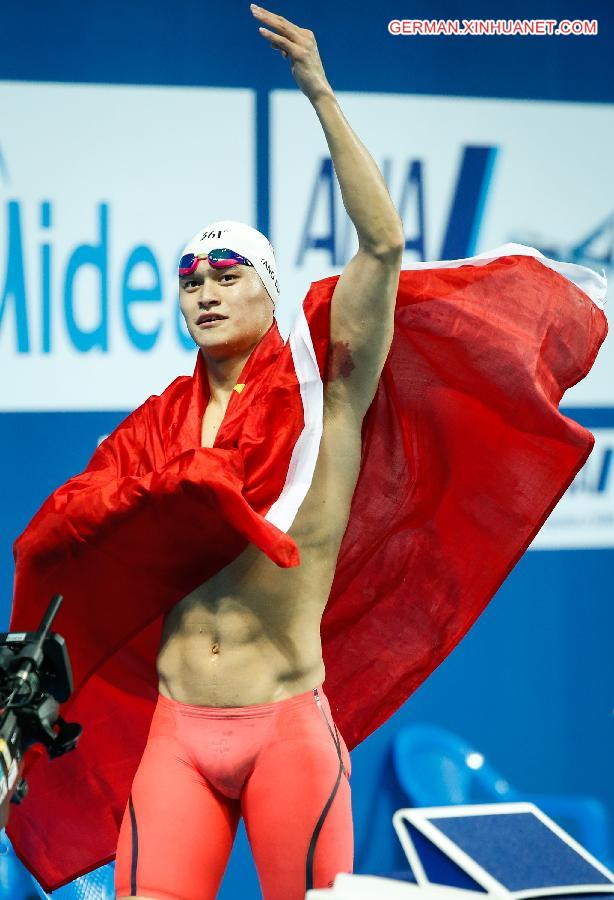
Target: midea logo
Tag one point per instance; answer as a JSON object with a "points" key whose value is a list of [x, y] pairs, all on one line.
{"points": [[33, 297]]}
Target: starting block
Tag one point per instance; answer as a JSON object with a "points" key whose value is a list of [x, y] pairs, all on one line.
{"points": [[492, 851]]}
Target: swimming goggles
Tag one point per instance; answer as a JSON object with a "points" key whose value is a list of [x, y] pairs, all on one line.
{"points": [[220, 258]]}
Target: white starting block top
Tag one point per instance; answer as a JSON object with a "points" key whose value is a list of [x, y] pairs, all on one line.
{"points": [[372, 887], [495, 851]]}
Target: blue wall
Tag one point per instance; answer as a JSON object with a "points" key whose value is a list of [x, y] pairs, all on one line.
{"points": [[530, 685]]}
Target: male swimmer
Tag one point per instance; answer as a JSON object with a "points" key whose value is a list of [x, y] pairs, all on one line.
{"points": [[242, 726]]}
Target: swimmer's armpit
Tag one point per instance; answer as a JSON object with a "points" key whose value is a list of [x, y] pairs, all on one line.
{"points": [[340, 361]]}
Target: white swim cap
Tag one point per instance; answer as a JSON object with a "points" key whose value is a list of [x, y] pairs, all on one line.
{"points": [[246, 241]]}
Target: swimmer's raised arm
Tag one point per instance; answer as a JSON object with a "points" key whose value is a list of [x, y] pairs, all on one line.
{"points": [[362, 310]]}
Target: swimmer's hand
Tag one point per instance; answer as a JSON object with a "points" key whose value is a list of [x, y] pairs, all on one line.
{"points": [[300, 45]]}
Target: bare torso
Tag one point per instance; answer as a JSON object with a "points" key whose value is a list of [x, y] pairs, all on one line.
{"points": [[251, 634]]}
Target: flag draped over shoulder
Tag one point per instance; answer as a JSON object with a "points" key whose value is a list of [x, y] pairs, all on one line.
{"points": [[465, 454]]}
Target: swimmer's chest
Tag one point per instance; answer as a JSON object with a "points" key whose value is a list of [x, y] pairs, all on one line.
{"points": [[324, 512], [211, 422], [252, 585]]}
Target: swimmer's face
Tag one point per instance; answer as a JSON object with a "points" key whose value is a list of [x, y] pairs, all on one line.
{"points": [[235, 292]]}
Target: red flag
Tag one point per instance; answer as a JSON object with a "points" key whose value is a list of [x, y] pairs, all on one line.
{"points": [[465, 454]]}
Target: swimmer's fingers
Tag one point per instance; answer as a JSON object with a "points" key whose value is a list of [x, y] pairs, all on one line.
{"points": [[288, 38], [277, 42], [286, 31], [300, 45], [283, 27]]}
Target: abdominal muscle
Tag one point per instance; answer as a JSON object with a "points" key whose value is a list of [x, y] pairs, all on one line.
{"points": [[251, 633], [235, 642]]}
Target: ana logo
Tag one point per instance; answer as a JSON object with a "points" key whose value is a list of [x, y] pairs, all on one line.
{"points": [[466, 210]]}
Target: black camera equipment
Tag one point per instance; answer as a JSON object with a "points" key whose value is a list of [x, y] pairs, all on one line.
{"points": [[35, 678]]}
